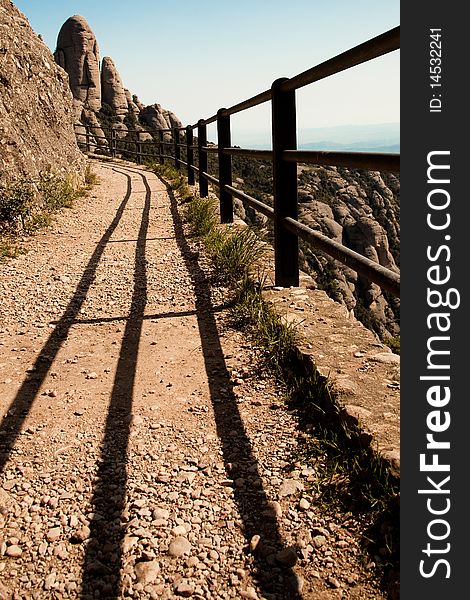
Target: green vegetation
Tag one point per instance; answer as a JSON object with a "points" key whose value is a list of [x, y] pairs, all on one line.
{"points": [[26, 206], [393, 343], [177, 180], [91, 178], [202, 214], [351, 477], [16, 202], [126, 142], [9, 247], [107, 115], [233, 251]]}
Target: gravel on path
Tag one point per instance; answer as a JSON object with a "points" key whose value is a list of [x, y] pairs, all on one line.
{"points": [[142, 455]]}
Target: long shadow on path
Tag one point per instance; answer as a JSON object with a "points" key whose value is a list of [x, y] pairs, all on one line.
{"points": [[21, 405], [274, 580], [103, 556]]}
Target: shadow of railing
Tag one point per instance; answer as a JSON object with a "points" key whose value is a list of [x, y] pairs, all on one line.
{"points": [[103, 556], [20, 407], [240, 462]]}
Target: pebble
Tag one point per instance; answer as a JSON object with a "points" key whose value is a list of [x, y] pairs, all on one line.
{"points": [[333, 582], [273, 510], [179, 530], [136, 420], [129, 542], [73, 521], [49, 581], [161, 513], [53, 534], [254, 542], [318, 541], [290, 487], [287, 557], [179, 546], [14, 551], [185, 589], [146, 572], [82, 534]]}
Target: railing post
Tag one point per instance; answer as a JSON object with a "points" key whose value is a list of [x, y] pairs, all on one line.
{"points": [[138, 150], [284, 137], [161, 147], [176, 141], [153, 148], [87, 136], [225, 166], [113, 142], [190, 153], [202, 141]]}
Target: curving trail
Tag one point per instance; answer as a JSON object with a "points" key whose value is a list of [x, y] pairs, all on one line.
{"points": [[140, 452]]}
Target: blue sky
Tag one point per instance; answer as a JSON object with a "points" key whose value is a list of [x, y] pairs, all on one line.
{"points": [[194, 57]]}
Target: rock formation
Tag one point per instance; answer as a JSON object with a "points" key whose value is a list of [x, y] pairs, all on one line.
{"points": [[112, 89], [155, 117], [77, 53], [360, 210], [36, 106], [100, 98]]}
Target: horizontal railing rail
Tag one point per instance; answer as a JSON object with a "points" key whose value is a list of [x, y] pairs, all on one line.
{"points": [[284, 157]]}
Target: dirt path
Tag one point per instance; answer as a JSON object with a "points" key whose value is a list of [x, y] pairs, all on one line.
{"points": [[141, 453]]}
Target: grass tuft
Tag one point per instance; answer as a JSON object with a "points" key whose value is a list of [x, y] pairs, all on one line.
{"points": [[9, 248], [177, 180], [202, 215], [57, 192], [393, 343], [16, 202], [234, 253], [91, 178]]}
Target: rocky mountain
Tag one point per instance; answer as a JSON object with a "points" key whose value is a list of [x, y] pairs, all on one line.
{"points": [[358, 208], [99, 95], [36, 106]]}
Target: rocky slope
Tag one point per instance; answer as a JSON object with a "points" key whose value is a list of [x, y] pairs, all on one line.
{"points": [[99, 96], [360, 209], [36, 112]]}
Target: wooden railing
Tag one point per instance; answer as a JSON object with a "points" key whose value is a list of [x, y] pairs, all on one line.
{"points": [[284, 156]]}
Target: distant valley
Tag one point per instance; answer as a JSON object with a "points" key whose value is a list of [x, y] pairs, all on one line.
{"points": [[382, 137]]}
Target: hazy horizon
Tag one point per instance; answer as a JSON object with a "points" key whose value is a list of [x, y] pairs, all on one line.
{"points": [[378, 137]]}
